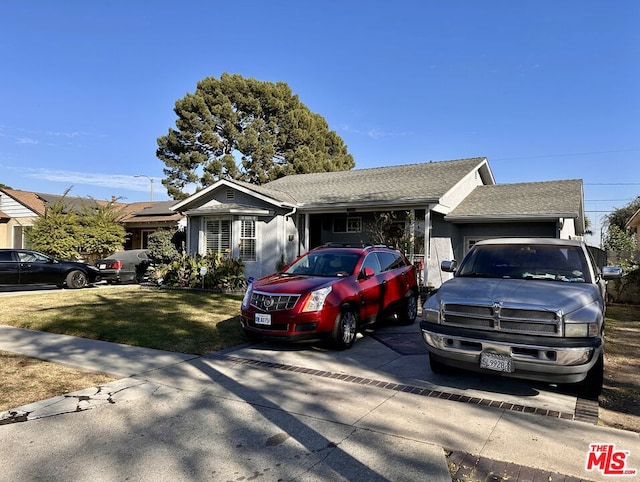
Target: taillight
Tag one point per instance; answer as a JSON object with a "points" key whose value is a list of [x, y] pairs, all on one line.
{"points": [[116, 265]]}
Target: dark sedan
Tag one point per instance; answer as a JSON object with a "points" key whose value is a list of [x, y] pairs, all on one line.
{"points": [[122, 266], [26, 267]]}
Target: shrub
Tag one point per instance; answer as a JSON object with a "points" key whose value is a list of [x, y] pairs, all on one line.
{"points": [[212, 271], [162, 248]]}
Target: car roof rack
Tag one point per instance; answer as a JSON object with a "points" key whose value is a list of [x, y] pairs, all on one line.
{"points": [[354, 245]]}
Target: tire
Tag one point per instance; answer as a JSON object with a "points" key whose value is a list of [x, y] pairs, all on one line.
{"points": [[76, 280], [345, 329], [437, 366], [410, 312], [591, 386]]}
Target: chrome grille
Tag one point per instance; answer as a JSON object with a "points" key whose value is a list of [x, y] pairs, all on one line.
{"points": [[506, 319], [269, 302]]}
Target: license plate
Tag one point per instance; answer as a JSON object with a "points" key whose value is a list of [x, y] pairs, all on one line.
{"points": [[102, 266], [494, 361], [263, 319]]}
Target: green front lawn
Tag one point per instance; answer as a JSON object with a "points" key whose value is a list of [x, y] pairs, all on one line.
{"points": [[180, 321]]}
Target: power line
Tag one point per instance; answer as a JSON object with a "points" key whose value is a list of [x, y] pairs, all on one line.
{"points": [[605, 200], [564, 155], [612, 183]]}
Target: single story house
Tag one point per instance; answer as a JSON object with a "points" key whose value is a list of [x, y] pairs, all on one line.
{"points": [[444, 207], [19, 210], [143, 218]]}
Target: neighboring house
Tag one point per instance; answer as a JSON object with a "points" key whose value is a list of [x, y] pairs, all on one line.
{"points": [[19, 210], [143, 218], [446, 206], [633, 226]]}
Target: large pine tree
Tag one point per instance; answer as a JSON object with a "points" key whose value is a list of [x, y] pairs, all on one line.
{"points": [[247, 130]]}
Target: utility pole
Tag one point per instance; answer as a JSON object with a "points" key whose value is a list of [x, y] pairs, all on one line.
{"points": [[150, 180]]}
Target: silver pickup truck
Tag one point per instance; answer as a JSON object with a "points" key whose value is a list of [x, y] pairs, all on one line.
{"points": [[529, 308]]}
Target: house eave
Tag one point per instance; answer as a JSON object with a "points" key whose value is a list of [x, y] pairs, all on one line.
{"points": [[365, 206], [230, 211], [497, 218]]}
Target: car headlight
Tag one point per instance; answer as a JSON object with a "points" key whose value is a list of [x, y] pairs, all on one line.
{"points": [[316, 299], [584, 322], [431, 315], [431, 310], [247, 297], [581, 330]]}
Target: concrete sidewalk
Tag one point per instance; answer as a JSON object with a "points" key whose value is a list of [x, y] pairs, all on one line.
{"points": [[284, 413]]}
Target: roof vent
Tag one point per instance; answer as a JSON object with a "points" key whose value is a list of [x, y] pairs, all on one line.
{"points": [[231, 195]]}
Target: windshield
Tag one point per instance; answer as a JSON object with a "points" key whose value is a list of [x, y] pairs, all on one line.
{"points": [[539, 262], [324, 264]]}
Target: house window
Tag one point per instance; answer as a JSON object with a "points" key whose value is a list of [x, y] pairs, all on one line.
{"points": [[217, 233], [347, 225], [247, 239], [21, 238]]}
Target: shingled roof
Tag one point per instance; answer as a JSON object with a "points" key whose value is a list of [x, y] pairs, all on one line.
{"points": [[549, 199], [149, 212], [409, 183]]}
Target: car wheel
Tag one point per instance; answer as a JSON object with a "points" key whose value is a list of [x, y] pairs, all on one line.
{"points": [[344, 332], [76, 279], [408, 316], [437, 366], [591, 386]]}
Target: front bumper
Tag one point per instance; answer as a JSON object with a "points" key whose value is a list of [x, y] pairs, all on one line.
{"points": [[288, 326], [557, 360]]}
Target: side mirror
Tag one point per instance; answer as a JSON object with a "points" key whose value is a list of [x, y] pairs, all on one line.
{"points": [[611, 272], [448, 266], [367, 273]]}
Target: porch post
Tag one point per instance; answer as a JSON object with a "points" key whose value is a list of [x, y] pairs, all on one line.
{"points": [[427, 244], [412, 233], [306, 232]]}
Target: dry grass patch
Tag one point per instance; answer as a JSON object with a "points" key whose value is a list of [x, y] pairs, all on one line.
{"points": [[620, 399], [26, 380]]}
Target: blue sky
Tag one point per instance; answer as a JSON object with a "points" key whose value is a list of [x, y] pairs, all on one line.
{"points": [[546, 90]]}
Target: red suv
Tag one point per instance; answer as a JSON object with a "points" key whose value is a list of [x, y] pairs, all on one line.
{"points": [[332, 291]]}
